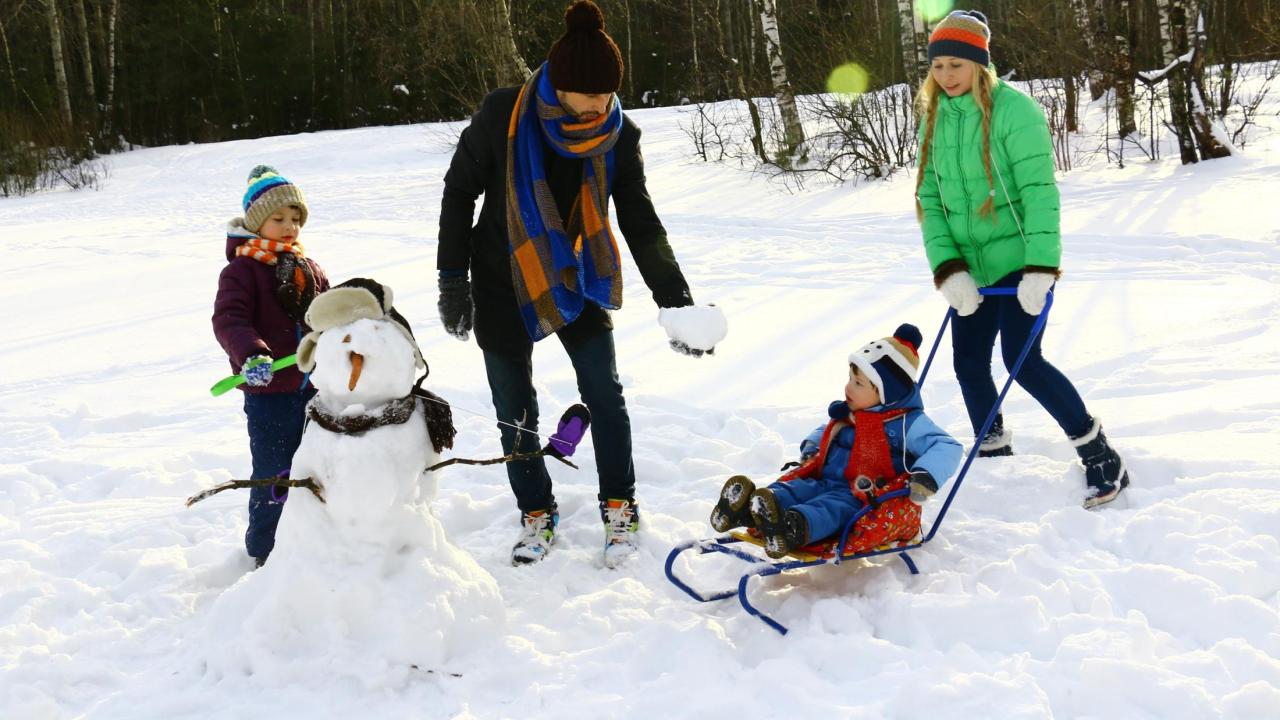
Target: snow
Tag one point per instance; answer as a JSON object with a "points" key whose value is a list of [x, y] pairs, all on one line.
{"points": [[1164, 605], [701, 327]]}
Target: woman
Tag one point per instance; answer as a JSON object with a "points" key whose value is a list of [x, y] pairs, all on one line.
{"points": [[988, 205]]}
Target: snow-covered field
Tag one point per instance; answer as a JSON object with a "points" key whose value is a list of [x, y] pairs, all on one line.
{"points": [[1164, 605]]}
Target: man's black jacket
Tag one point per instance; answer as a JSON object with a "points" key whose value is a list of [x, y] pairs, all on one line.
{"points": [[480, 166]]}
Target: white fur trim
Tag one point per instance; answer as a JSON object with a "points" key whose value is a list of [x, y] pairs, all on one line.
{"points": [[1089, 436], [307, 352], [1003, 440], [342, 306]]}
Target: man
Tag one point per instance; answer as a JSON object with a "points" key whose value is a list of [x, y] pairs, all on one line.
{"points": [[543, 261]]}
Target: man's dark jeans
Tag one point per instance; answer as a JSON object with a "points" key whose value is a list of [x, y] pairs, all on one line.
{"points": [[516, 402]]}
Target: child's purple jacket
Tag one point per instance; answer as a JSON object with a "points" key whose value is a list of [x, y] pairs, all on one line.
{"points": [[248, 320]]}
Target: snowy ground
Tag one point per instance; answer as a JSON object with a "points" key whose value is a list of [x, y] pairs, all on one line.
{"points": [[1166, 605]]}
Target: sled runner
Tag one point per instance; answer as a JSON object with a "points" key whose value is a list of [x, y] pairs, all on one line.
{"points": [[835, 552]]}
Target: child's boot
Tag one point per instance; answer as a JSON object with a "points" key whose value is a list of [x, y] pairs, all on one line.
{"points": [[998, 442], [1104, 471], [733, 509], [780, 531]]}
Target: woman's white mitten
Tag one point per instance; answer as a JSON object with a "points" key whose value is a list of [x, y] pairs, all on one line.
{"points": [[1032, 289], [961, 293]]}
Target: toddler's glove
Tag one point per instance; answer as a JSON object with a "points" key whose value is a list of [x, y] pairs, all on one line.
{"points": [[961, 293], [257, 371], [923, 486], [1032, 289], [455, 305]]}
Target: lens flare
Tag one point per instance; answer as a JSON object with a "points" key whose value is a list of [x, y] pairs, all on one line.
{"points": [[849, 79], [934, 10]]}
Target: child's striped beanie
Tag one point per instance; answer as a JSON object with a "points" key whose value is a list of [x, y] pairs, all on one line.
{"points": [[269, 191], [962, 34]]}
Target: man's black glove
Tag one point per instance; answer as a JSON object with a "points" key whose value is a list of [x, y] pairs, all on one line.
{"points": [[923, 486], [455, 305], [684, 349]]}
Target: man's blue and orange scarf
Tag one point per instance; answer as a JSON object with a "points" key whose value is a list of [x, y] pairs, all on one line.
{"points": [[556, 266]]}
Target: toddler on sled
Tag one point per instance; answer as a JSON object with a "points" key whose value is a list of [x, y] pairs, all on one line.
{"points": [[878, 440]]}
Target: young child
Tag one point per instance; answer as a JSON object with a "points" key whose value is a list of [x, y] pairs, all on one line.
{"points": [[878, 440], [263, 295], [990, 212]]}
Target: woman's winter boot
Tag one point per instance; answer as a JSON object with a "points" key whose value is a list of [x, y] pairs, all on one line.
{"points": [[998, 442], [1104, 471]]}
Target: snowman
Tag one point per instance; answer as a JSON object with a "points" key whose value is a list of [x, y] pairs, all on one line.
{"points": [[363, 581]]}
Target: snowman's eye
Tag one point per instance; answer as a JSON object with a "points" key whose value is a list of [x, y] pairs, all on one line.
{"points": [[346, 339]]}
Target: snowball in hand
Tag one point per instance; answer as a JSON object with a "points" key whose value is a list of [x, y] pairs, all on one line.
{"points": [[701, 327]]}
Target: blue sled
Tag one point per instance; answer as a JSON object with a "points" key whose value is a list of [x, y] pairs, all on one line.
{"points": [[764, 567]]}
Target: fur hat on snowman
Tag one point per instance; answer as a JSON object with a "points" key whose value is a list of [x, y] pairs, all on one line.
{"points": [[355, 299]]}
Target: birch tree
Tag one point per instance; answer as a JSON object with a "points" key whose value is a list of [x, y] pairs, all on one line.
{"points": [[509, 50], [1172, 36], [907, 38], [793, 131], [1122, 66], [86, 53], [921, 31], [109, 105], [1208, 142], [1085, 13], [59, 61]]}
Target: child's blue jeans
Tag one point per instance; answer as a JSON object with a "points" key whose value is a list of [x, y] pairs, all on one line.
{"points": [[275, 431], [827, 505]]}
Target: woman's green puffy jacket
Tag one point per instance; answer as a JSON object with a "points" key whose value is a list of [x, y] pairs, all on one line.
{"points": [[955, 187]]}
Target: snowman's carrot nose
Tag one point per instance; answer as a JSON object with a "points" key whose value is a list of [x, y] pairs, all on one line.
{"points": [[357, 363]]}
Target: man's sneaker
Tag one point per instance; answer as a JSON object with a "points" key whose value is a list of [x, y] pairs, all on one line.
{"points": [[621, 521], [1104, 470], [537, 534], [781, 532], [732, 509], [998, 442]]}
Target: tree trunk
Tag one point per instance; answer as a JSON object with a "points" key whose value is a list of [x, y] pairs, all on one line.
{"points": [[1126, 122], [518, 67], [793, 131], [697, 69], [907, 37], [1172, 35], [1070, 113], [630, 76], [86, 50], [921, 30], [59, 61], [108, 107], [13, 77], [1208, 142], [1086, 24]]}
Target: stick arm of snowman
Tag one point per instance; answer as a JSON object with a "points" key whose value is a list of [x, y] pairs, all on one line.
{"points": [[560, 446]]}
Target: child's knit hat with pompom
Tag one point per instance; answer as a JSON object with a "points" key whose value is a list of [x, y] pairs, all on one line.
{"points": [[891, 363], [269, 191]]}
